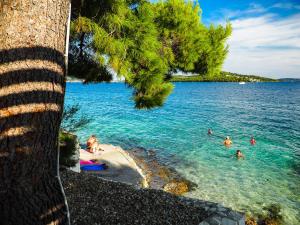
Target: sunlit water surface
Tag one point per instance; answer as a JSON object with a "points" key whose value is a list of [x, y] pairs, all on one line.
{"points": [[178, 133]]}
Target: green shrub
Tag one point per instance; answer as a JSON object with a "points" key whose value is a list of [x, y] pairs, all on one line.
{"points": [[67, 144], [71, 122], [71, 119]]}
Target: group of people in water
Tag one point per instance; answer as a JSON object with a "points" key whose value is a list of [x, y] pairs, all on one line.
{"points": [[93, 145], [227, 142]]}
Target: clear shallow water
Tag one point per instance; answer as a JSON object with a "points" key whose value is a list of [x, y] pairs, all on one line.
{"points": [[178, 133]]}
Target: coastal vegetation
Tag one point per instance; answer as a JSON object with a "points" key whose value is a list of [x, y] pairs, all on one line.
{"points": [[68, 142], [222, 77], [71, 120], [145, 43], [67, 149]]}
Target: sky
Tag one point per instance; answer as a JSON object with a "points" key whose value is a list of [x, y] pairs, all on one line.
{"points": [[266, 35]]}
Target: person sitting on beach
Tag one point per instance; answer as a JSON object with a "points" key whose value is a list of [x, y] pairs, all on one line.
{"points": [[227, 141], [93, 145], [91, 140], [252, 141], [209, 132], [239, 154]]}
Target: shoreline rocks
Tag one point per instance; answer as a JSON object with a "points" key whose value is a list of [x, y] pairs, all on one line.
{"points": [[176, 187], [93, 200], [153, 174], [159, 176]]}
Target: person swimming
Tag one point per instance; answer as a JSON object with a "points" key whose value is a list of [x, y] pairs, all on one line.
{"points": [[227, 141], [252, 141], [209, 132], [239, 154]]}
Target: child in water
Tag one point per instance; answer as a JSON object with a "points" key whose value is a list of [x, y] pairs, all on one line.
{"points": [[239, 154], [209, 132]]}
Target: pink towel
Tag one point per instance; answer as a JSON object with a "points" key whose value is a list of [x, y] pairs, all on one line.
{"points": [[88, 162]]}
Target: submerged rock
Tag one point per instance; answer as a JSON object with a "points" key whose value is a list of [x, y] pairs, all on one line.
{"points": [[271, 215], [176, 187], [270, 221], [250, 221], [158, 175]]}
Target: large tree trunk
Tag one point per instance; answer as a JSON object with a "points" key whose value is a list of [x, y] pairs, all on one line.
{"points": [[32, 85]]}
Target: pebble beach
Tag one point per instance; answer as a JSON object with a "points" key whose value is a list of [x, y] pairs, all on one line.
{"points": [[94, 201]]}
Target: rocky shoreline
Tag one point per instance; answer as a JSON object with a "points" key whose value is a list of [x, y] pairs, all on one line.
{"points": [[139, 167], [93, 200], [157, 175]]}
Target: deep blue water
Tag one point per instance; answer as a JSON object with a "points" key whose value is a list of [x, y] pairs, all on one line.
{"points": [[178, 133]]}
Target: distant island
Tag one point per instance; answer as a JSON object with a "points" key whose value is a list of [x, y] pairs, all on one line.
{"points": [[223, 77], [289, 80]]}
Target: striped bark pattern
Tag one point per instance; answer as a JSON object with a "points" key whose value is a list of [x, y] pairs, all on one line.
{"points": [[32, 86]]}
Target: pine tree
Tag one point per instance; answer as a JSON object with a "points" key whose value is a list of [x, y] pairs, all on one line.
{"points": [[145, 43], [213, 55]]}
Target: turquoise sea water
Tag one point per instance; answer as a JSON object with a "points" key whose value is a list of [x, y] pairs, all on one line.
{"points": [[178, 133]]}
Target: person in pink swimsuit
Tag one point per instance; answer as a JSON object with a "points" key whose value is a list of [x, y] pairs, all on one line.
{"points": [[252, 141]]}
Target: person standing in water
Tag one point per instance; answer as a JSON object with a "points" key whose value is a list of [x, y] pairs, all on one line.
{"points": [[227, 141], [252, 141], [209, 132]]}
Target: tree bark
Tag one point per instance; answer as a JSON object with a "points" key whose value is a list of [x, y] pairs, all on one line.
{"points": [[32, 86]]}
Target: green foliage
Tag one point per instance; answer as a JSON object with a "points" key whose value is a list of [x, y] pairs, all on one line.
{"points": [[67, 149], [181, 33], [125, 39], [70, 120], [213, 55], [144, 43]]}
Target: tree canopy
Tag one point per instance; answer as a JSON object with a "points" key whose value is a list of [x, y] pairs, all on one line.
{"points": [[145, 43]]}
